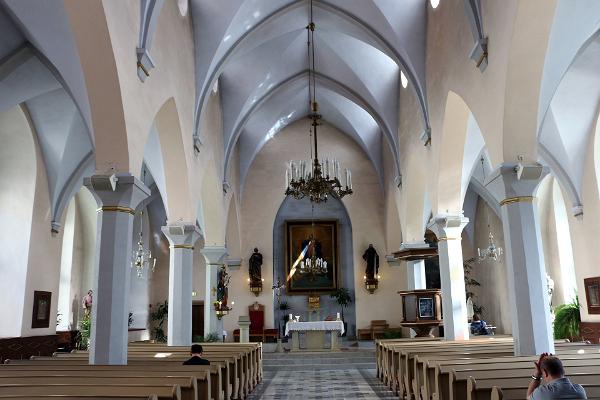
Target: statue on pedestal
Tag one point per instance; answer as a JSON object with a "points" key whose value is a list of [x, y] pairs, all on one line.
{"points": [[254, 267], [372, 259], [87, 301], [223, 286]]}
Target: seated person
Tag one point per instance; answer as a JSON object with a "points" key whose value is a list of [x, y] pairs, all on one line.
{"points": [[478, 326], [549, 381], [196, 353]]}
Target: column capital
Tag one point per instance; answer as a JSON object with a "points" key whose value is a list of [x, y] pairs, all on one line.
{"points": [[182, 234], [215, 255], [121, 192], [515, 182], [448, 226], [414, 245]]}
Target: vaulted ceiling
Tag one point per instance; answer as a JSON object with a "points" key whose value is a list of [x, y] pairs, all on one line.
{"points": [[257, 51]]}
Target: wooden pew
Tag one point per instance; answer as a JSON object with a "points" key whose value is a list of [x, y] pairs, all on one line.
{"points": [[230, 381], [395, 365], [82, 396], [480, 387], [200, 379], [412, 376], [188, 384], [446, 384], [162, 392], [152, 370]]}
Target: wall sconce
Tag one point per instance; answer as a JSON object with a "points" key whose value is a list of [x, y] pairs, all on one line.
{"points": [[221, 310], [256, 287], [371, 284]]}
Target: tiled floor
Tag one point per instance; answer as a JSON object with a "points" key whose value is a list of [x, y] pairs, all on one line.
{"points": [[323, 384]]}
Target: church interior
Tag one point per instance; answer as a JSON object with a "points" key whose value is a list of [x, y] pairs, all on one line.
{"points": [[342, 198]]}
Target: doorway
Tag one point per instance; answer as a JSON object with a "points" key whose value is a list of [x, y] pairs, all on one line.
{"points": [[197, 320]]}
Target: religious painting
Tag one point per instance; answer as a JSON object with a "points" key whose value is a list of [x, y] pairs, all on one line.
{"points": [[41, 309], [311, 256], [592, 294], [426, 307]]}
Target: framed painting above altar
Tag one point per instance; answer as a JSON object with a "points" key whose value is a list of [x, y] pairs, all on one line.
{"points": [[308, 240]]}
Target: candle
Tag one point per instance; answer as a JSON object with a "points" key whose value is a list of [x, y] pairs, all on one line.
{"points": [[338, 316], [290, 318], [347, 179]]}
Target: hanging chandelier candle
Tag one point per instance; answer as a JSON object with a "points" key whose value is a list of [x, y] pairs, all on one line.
{"points": [[142, 257], [491, 252], [312, 178]]}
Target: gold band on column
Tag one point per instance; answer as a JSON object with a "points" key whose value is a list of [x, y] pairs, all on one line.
{"points": [[443, 239], [183, 246], [122, 209], [519, 199]]}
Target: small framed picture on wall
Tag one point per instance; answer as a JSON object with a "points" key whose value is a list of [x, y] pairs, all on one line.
{"points": [[41, 309], [592, 294]]}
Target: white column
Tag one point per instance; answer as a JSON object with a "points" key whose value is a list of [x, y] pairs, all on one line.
{"points": [[448, 229], [215, 258], [527, 291], [182, 237], [110, 309]]}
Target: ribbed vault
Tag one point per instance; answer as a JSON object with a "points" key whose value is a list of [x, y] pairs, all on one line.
{"points": [[257, 50]]}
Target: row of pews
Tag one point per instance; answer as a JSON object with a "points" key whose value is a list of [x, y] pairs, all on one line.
{"points": [[484, 368], [153, 371]]}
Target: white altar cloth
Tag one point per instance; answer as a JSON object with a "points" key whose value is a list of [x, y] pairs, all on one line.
{"points": [[314, 326]]}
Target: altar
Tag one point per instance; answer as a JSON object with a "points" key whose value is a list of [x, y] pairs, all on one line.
{"points": [[315, 334]]}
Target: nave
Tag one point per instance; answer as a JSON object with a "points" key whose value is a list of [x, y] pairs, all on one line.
{"points": [[284, 178]]}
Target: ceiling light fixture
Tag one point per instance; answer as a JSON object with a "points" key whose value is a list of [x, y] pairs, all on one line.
{"points": [[491, 252], [312, 179], [434, 3]]}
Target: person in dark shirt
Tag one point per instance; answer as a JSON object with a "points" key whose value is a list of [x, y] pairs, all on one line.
{"points": [[478, 326], [549, 381], [196, 359]]}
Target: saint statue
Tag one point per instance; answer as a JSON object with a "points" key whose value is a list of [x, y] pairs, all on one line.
{"points": [[223, 286], [87, 302], [254, 266], [372, 259]]}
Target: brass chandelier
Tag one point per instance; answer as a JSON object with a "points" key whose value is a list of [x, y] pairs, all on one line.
{"points": [[314, 179]]}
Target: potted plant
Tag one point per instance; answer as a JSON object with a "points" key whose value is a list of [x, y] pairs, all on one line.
{"points": [[566, 321], [343, 298], [83, 336]]}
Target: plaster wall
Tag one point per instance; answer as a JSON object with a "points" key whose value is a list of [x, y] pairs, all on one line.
{"points": [[492, 275], [548, 228], [43, 255], [65, 307], [18, 166], [584, 234], [261, 200]]}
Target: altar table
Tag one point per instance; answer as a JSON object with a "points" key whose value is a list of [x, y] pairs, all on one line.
{"points": [[315, 334]]}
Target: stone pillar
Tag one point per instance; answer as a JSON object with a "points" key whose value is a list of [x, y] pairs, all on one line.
{"points": [[527, 291], [244, 324], [215, 258], [182, 237], [448, 229], [110, 309]]}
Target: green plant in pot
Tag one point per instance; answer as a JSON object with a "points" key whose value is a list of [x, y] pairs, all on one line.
{"points": [[85, 330], [343, 298], [566, 321], [158, 316]]}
